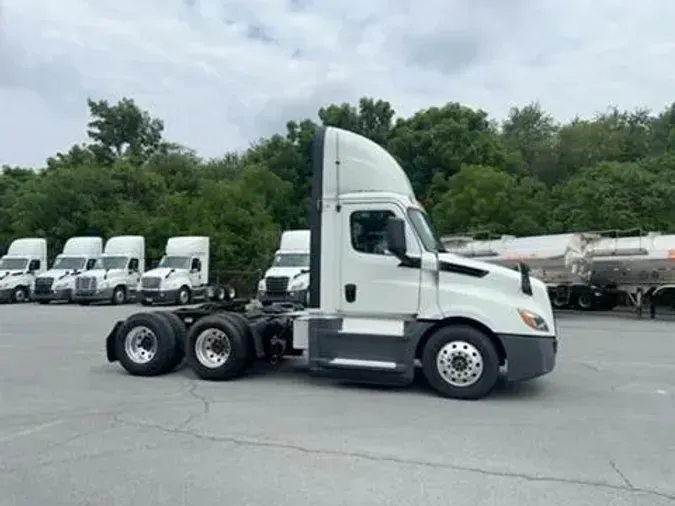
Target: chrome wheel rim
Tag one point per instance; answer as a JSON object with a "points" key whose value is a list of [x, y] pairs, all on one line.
{"points": [[140, 345], [213, 348], [460, 363]]}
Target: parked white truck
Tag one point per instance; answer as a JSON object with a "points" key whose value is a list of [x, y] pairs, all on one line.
{"points": [[25, 259], [287, 280], [79, 254], [116, 275], [373, 312], [182, 275]]}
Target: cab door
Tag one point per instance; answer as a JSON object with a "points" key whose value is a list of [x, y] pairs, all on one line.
{"points": [[372, 282]]}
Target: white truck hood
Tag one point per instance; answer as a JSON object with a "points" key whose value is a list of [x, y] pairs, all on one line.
{"points": [[161, 272], [100, 274], [59, 273], [6, 274], [290, 272]]}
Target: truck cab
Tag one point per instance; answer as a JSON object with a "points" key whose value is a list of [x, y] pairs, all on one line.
{"points": [[385, 292], [79, 254], [182, 275], [287, 280], [116, 275], [25, 259]]}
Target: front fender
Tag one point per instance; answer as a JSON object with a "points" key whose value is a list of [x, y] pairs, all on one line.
{"points": [[110, 342]]}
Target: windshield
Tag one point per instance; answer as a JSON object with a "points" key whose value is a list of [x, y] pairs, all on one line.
{"points": [[425, 231], [175, 262], [111, 263], [291, 260], [69, 263], [13, 264]]}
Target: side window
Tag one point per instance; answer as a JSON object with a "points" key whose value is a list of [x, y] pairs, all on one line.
{"points": [[196, 264], [90, 263], [34, 265], [133, 264], [368, 231]]}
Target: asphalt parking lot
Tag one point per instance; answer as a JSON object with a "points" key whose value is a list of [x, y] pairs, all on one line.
{"points": [[77, 430]]}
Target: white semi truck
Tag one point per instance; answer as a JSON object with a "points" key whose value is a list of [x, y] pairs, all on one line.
{"points": [[373, 312], [182, 276], [116, 275], [287, 280], [25, 259], [79, 254]]}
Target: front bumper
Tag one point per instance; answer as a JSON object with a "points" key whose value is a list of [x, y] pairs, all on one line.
{"points": [[93, 295], [297, 297], [527, 356], [159, 295], [62, 294]]}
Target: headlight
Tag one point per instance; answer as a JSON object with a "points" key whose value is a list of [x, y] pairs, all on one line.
{"points": [[533, 320], [261, 285], [104, 284]]}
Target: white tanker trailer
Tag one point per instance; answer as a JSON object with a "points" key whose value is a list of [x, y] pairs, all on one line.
{"points": [[642, 265], [560, 260]]}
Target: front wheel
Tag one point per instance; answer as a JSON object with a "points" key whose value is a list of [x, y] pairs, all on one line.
{"points": [[183, 296], [20, 294], [461, 362], [119, 296]]}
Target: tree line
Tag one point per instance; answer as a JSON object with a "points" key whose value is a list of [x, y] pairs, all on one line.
{"points": [[525, 175]]}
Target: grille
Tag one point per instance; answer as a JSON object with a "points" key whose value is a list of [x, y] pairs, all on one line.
{"points": [[150, 283], [85, 283], [43, 285], [276, 284]]}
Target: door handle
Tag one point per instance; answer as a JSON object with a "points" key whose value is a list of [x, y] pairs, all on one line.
{"points": [[350, 292]]}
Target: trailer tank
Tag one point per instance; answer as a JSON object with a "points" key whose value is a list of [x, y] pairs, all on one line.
{"points": [[639, 261]]}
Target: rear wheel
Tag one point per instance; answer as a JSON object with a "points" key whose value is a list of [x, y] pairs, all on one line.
{"points": [[461, 362], [146, 345], [179, 332], [585, 301], [216, 349]]}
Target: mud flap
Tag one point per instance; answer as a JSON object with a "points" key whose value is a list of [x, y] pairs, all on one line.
{"points": [[110, 342]]}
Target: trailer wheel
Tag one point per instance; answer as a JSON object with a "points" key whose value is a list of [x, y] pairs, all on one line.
{"points": [[146, 345], [20, 294], [460, 362], [179, 332], [585, 301], [215, 349], [219, 294]]}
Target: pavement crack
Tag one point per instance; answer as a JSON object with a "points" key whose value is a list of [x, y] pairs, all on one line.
{"points": [[206, 406], [621, 475], [625, 486]]}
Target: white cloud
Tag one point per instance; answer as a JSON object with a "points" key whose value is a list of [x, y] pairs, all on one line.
{"points": [[222, 73]]}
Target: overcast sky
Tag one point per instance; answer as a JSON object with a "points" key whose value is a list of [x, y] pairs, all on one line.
{"points": [[224, 72]]}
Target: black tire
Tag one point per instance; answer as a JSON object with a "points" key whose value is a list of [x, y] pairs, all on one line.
{"points": [[179, 332], [219, 294], [584, 302], [238, 359], [183, 297], [240, 321], [488, 357], [165, 342], [145, 302], [20, 294], [119, 295]]}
